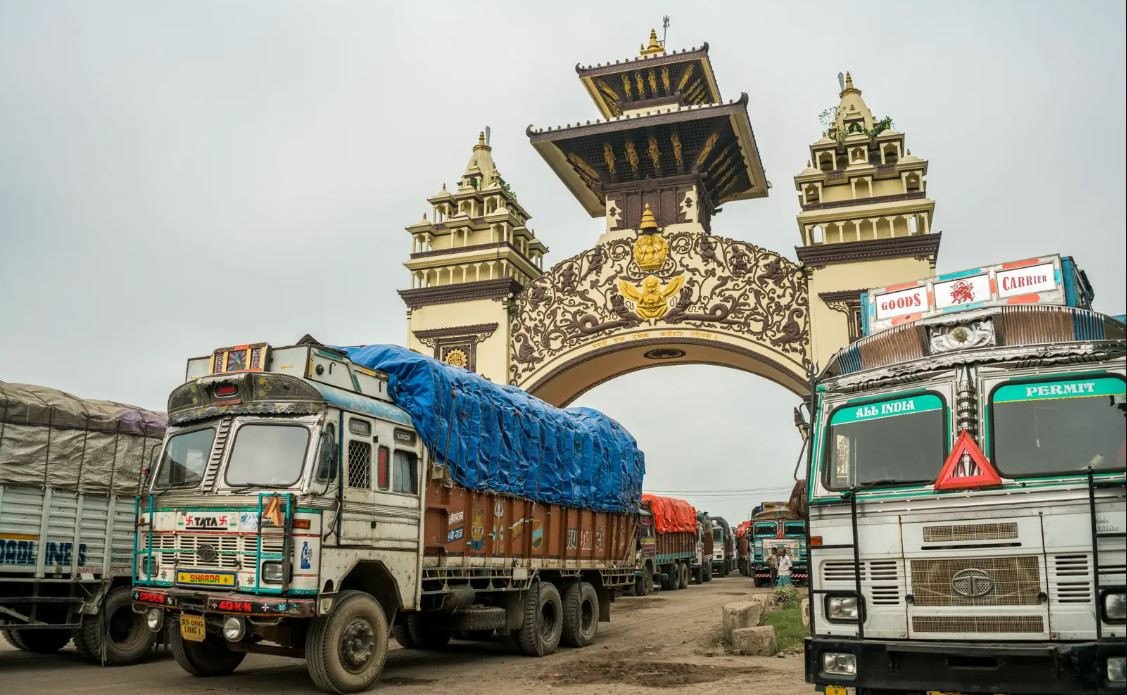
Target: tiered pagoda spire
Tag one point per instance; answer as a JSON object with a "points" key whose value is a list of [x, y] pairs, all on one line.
{"points": [[666, 139], [475, 234]]}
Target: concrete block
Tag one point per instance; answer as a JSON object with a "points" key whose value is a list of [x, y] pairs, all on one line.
{"points": [[754, 641], [740, 615], [767, 601], [805, 608]]}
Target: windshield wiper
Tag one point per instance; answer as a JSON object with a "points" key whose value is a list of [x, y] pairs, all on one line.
{"points": [[886, 481]]}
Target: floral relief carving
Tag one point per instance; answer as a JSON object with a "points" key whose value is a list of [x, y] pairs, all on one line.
{"points": [[717, 283]]}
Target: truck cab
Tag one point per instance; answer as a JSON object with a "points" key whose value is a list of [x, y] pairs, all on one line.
{"points": [[724, 547], [966, 491]]}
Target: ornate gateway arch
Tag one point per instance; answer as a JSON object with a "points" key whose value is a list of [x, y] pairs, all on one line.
{"points": [[658, 287]]}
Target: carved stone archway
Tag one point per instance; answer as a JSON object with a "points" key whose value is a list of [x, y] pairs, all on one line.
{"points": [[641, 301]]}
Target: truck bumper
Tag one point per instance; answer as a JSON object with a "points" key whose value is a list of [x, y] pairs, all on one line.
{"points": [[1041, 667], [203, 602]]}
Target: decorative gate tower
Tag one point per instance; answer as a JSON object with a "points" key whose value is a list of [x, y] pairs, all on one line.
{"points": [[468, 260], [865, 219]]}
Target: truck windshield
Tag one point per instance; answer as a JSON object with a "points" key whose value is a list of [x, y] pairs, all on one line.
{"points": [[267, 455], [794, 528], [717, 533], [1059, 426], [185, 458], [897, 441], [763, 529]]}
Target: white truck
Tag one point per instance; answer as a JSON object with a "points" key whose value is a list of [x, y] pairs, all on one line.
{"points": [[966, 491], [298, 510], [69, 472]]}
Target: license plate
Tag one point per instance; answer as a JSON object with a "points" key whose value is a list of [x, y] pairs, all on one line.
{"points": [[196, 578], [192, 627], [835, 690]]}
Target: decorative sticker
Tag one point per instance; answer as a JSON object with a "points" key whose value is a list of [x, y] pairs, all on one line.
{"points": [[456, 517], [900, 406], [477, 530], [1076, 388], [962, 292], [454, 534], [537, 534]]}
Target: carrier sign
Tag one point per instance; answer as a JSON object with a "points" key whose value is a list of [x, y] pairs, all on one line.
{"points": [[220, 579]]}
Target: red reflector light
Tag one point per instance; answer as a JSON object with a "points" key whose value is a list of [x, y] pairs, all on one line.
{"points": [[301, 523], [815, 540], [226, 390]]}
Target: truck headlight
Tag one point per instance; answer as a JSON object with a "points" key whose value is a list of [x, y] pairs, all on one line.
{"points": [[839, 663], [1115, 607], [154, 618], [842, 608], [1117, 668], [272, 572]]}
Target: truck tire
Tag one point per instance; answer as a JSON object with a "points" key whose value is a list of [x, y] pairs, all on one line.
{"points": [[706, 572], [129, 639], [670, 579], [403, 636], [427, 634], [37, 641], [80, 646], [684, 575], [580, 615], [539, 633], [204, 659], [345, 651], [479, 619], [648, 583]]}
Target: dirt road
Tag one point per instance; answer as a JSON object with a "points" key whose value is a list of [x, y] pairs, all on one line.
{"points": [[666, 642]]}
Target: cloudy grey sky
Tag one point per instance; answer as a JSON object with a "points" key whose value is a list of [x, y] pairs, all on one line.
{"points": [[180, 175]]}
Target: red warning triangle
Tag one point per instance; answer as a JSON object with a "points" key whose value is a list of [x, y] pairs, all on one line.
{"points": [[966, 467]]}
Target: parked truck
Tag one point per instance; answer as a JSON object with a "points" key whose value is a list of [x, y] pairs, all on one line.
{"points": [[966, 490], [674, 533], [701, 566], [773, 525], [743, 548], [313, 501], [69, 469], [724, 547]]}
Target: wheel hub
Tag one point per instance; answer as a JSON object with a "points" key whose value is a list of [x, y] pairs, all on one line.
{"points": [[357, 644]]}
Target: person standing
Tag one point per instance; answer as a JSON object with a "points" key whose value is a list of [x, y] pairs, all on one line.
{"points": [[773, 565], [785, 564]]}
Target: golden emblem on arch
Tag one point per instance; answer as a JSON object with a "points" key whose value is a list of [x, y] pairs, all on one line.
{"points": [[457, 357], [650, 248], [651, 299]]}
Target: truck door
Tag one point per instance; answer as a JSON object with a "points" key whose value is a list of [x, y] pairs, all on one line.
{"points": [[358, 522]]}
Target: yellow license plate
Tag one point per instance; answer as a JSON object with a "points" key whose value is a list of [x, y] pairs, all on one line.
{"points": [[223, 579], [192, 627], [835, 690]]}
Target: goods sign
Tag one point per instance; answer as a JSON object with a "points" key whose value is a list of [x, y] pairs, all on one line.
{"points": [[1041, 280]]}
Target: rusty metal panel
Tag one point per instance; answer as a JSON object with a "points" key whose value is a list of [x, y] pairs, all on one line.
{"points": [[494, 529]]}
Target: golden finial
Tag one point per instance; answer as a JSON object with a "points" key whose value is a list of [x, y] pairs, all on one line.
{"points": [[848, 80], [649, 222], [480, 141], [655, 46]]}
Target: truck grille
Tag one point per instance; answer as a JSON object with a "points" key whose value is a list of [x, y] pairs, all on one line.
{"points": [[1070, 581], [880, 579], [978, 623], [213, 551], [970, 532], [987, 581]]}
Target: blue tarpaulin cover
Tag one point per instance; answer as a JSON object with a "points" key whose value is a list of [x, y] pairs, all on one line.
{"points": [[501, 439]]}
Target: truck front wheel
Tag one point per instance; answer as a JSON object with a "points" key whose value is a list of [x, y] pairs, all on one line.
{"points": [[37, 641], [540, 632], [204, 659], [123, 633], [345, 650], [684, 584], [580, 615]]}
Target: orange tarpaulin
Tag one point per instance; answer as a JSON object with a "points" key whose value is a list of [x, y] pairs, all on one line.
{"points": [[671, 515]]}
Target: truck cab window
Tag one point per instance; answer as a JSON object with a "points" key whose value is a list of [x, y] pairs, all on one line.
{"points": [[405, 477], [1061, 426], [895, 441], [327, 455], [268, 455], [764, 530], [185, 458]]}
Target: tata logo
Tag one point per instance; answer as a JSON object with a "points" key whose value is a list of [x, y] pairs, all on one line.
{"points": [[972, 582], [207, 553]]}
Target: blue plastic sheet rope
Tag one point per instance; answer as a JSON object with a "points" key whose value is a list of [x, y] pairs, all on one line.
{"points": [[498, 438]]}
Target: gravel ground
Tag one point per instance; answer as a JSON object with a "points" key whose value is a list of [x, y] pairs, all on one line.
{"points": [[666, 642]]}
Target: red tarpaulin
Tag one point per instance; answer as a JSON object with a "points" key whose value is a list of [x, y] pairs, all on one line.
{"points": [[671, 515]]}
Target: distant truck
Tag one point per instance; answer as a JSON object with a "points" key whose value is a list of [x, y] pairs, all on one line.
{"points": [[69, 470], [702, 561], [774, 525], [313, 502], [674, 530], [743, 548], [724, 547]]}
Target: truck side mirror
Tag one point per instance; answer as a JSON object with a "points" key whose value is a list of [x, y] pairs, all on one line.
{"points": [[327, 459]]}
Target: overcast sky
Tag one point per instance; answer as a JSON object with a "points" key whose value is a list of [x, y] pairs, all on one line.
{"points": [[179, 176]]}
